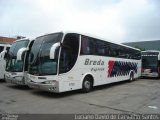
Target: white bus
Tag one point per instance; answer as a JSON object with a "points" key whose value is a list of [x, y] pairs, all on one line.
{"points": [[17, 61], [151, 63], [4, 48], [68, 61]]}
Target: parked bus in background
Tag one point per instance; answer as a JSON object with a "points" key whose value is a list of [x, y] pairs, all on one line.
{"points": [[151, 63], [17, 61], [68, 61], [4, 48]]}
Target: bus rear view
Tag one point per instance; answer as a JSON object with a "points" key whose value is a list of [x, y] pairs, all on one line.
{"points": [[151, 63]]}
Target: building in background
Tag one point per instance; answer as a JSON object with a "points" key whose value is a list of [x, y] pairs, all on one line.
{"points": [[145, 45], [9, 40]]}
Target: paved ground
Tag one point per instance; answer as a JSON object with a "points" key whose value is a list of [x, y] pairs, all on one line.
{"points": [[140, 96]]}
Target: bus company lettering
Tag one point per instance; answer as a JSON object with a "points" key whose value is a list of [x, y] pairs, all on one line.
{"points": [[93, 62]]}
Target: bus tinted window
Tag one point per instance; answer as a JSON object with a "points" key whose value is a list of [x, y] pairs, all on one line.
{"points": [[1, 48], [137, 55], [69, 52], [88, 46], [113, 50], [92, 46], [100, 48]]}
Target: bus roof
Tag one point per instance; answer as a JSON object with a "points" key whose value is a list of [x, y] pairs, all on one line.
{"points": [[151, 51], [24, 39], [93, 36], [103, 39]]}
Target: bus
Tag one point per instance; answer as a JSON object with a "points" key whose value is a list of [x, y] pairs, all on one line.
{"points": [[151, 63], [66, 61], [4, 48], [17, 61]]}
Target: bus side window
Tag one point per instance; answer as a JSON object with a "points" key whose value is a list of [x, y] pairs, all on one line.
{"points": [[88, 46], [137, 56], [69, 52], [6, 55], [1, 48], [27, 57], [114, 51], [85, 49], [100, 48]]}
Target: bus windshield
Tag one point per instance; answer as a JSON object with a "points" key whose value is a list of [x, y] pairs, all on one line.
{"points": [[39, 60], [149, 62], [13, 64]]}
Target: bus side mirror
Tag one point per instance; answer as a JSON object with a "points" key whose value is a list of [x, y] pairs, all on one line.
{"points": [[53, 50], [20, 52]]}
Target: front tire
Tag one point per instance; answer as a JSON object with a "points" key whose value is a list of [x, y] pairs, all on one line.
{"points": [[87, 84]]}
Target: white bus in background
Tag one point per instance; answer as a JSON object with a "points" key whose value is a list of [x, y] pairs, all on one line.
{"points": [[151, 63], [4, 48], [68, 61], [17, 61]]}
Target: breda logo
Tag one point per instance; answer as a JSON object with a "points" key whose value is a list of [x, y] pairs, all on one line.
{"points": [[93, 62]]}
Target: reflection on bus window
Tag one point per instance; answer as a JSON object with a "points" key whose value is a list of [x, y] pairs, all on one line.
{"points": [[69, 52]]}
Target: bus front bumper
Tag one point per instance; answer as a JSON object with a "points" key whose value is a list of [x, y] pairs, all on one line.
{"points": [[149, 74], [19, 80], [42, 86]]}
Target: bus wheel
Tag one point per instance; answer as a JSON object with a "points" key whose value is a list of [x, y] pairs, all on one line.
{"points": [[131, 78], [87, 84]]}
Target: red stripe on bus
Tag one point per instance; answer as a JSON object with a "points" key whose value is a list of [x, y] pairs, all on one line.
{"points": [[110, 67]]}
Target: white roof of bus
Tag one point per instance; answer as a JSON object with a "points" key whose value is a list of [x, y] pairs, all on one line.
{"points": [[89, 35], [24, 39], [94, 36], [151, 51]]}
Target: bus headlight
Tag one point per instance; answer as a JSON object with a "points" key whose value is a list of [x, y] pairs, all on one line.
{"points": [[50, 82]]}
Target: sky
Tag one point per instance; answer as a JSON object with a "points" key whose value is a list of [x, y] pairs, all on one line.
{"points": [[115, 20]]}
